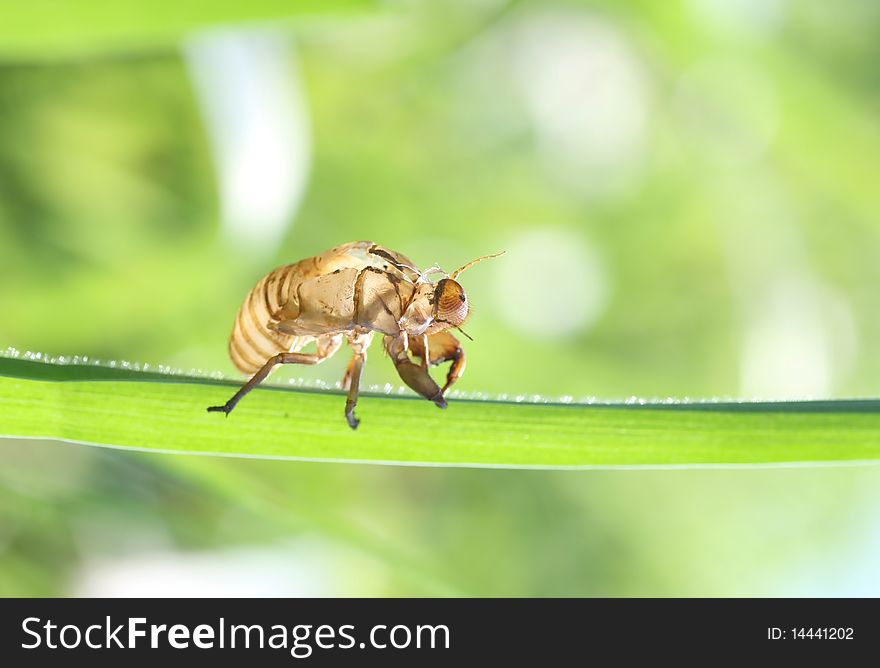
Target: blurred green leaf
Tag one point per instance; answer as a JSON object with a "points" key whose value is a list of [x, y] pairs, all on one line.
{"points": [[107, 406], [41, 28]]}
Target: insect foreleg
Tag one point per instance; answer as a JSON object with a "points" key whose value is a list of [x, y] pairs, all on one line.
{"points": [[441, 347], [455, 369], [416, 377]]}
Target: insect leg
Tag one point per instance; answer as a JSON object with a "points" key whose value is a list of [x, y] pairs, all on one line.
{"points": [[326, 347], [260, 376], [455, 369], [413, 375], [441, 347], [349, 370], [359, 343], [353, 381]]}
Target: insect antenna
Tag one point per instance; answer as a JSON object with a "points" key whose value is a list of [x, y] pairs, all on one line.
{"points": [[473, 262]]}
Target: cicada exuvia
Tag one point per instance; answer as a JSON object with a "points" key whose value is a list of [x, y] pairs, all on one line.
{"points": [[352, 292]]}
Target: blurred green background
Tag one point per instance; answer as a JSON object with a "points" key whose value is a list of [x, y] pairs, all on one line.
{"points": [[687, 192]]}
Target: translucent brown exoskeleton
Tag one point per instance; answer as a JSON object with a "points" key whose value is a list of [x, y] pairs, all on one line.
{"points": [[352, 292]]}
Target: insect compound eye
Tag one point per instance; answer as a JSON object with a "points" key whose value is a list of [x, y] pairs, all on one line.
{"points": [[450, 302]]}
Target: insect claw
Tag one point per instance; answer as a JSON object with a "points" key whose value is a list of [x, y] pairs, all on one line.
{"points": [[220, 409]]}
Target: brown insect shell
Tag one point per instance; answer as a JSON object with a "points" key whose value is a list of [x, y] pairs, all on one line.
{"points": [[324, 305], [381, 297], [419, 313], [343, 300]]}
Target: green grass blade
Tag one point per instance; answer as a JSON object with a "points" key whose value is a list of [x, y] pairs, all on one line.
{"points": [[50, 28], [156, 412]]}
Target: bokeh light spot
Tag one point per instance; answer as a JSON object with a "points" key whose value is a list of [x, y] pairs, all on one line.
{"points": [[586, 93], [551, 284]]}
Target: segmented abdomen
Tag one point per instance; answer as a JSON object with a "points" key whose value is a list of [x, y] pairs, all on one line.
{"points": [[252, 342]]}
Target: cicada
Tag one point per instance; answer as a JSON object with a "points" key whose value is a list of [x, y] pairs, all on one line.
{"points": [[351, 293]]}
